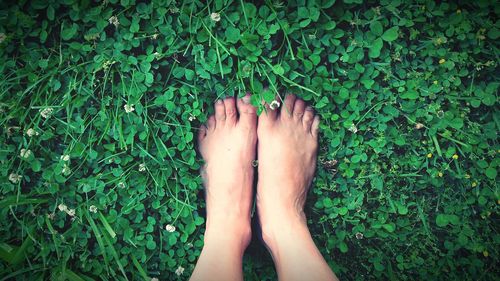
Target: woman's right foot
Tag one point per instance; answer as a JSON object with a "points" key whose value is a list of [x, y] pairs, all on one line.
{"points": [[287, 149]]}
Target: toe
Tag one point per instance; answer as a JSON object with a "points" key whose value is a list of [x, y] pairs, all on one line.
{"points": [[247, 111], [315, 126], [211, 123], [268, 116], [298, 109], [289, 103], [202, 133], [308, 118], [231, 113], [220, 111]]}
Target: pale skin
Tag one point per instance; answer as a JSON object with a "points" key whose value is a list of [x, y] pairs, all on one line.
{"points": [[286, 141]]}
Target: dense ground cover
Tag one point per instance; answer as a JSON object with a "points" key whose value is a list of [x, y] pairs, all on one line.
{"points": [[99, 101]]}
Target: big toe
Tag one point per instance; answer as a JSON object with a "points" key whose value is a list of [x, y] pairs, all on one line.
{"points": [[268, 116], [248, 113], [202, 133]]}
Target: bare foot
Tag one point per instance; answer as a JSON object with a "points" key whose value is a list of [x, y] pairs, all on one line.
{"points": [[227, 144], [288, 141]]}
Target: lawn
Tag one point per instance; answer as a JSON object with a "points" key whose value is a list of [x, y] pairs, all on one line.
{"points": [[100, 100]]}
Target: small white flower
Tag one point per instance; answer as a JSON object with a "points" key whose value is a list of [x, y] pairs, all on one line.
{"points": [[121, 185], [31, 132], [114, 21], [353, 128], [65, 157], [71, 212], [66, 170], [359, 235], [129, 108], [419, 126], [179, 270], [155, 36], [191, 118], [25, 153], [2, 37], [46, 112], [215, 17], [142, 167], [15, 178], [62, 207], [170, 228], [154, 279], [93, 209], [274, 104]]}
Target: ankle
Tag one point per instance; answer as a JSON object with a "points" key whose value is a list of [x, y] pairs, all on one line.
{"points": [[281, 224], [232, 231], [285, 237]]}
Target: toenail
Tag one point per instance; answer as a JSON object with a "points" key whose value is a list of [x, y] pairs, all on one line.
{"points": [[246, 99]]}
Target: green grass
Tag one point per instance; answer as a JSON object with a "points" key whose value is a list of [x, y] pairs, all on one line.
{"points": [[105, 118]]}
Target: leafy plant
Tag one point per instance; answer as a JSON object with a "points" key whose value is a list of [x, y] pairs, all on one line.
{"points": [[100, 100]]}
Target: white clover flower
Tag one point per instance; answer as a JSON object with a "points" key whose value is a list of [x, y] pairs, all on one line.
{"points": [[93, 209], [142, 167], [2, 37], [25, 153], [62, 207], [121, 185], [129, 108], [31, 132], [114, 21], [65, 157], [179, 270], [274, 104], [46, 112], [353, 128], [15, 178], [155, 36], [191, 118], [215, 17], [359, 235], [419, 126], [66, 170], [71, 212], [170, 228]]}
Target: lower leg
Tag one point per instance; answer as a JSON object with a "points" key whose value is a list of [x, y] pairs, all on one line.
{"points": [[292, 248], [222, 254]]}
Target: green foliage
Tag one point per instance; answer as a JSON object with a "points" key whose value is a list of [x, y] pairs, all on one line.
{"points": [[100, 100]]}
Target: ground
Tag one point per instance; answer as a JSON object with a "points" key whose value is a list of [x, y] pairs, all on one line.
{"points": [[100, 102]]}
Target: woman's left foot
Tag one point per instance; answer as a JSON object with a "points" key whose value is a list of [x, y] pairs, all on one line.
{"points": [[227, 144]]}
